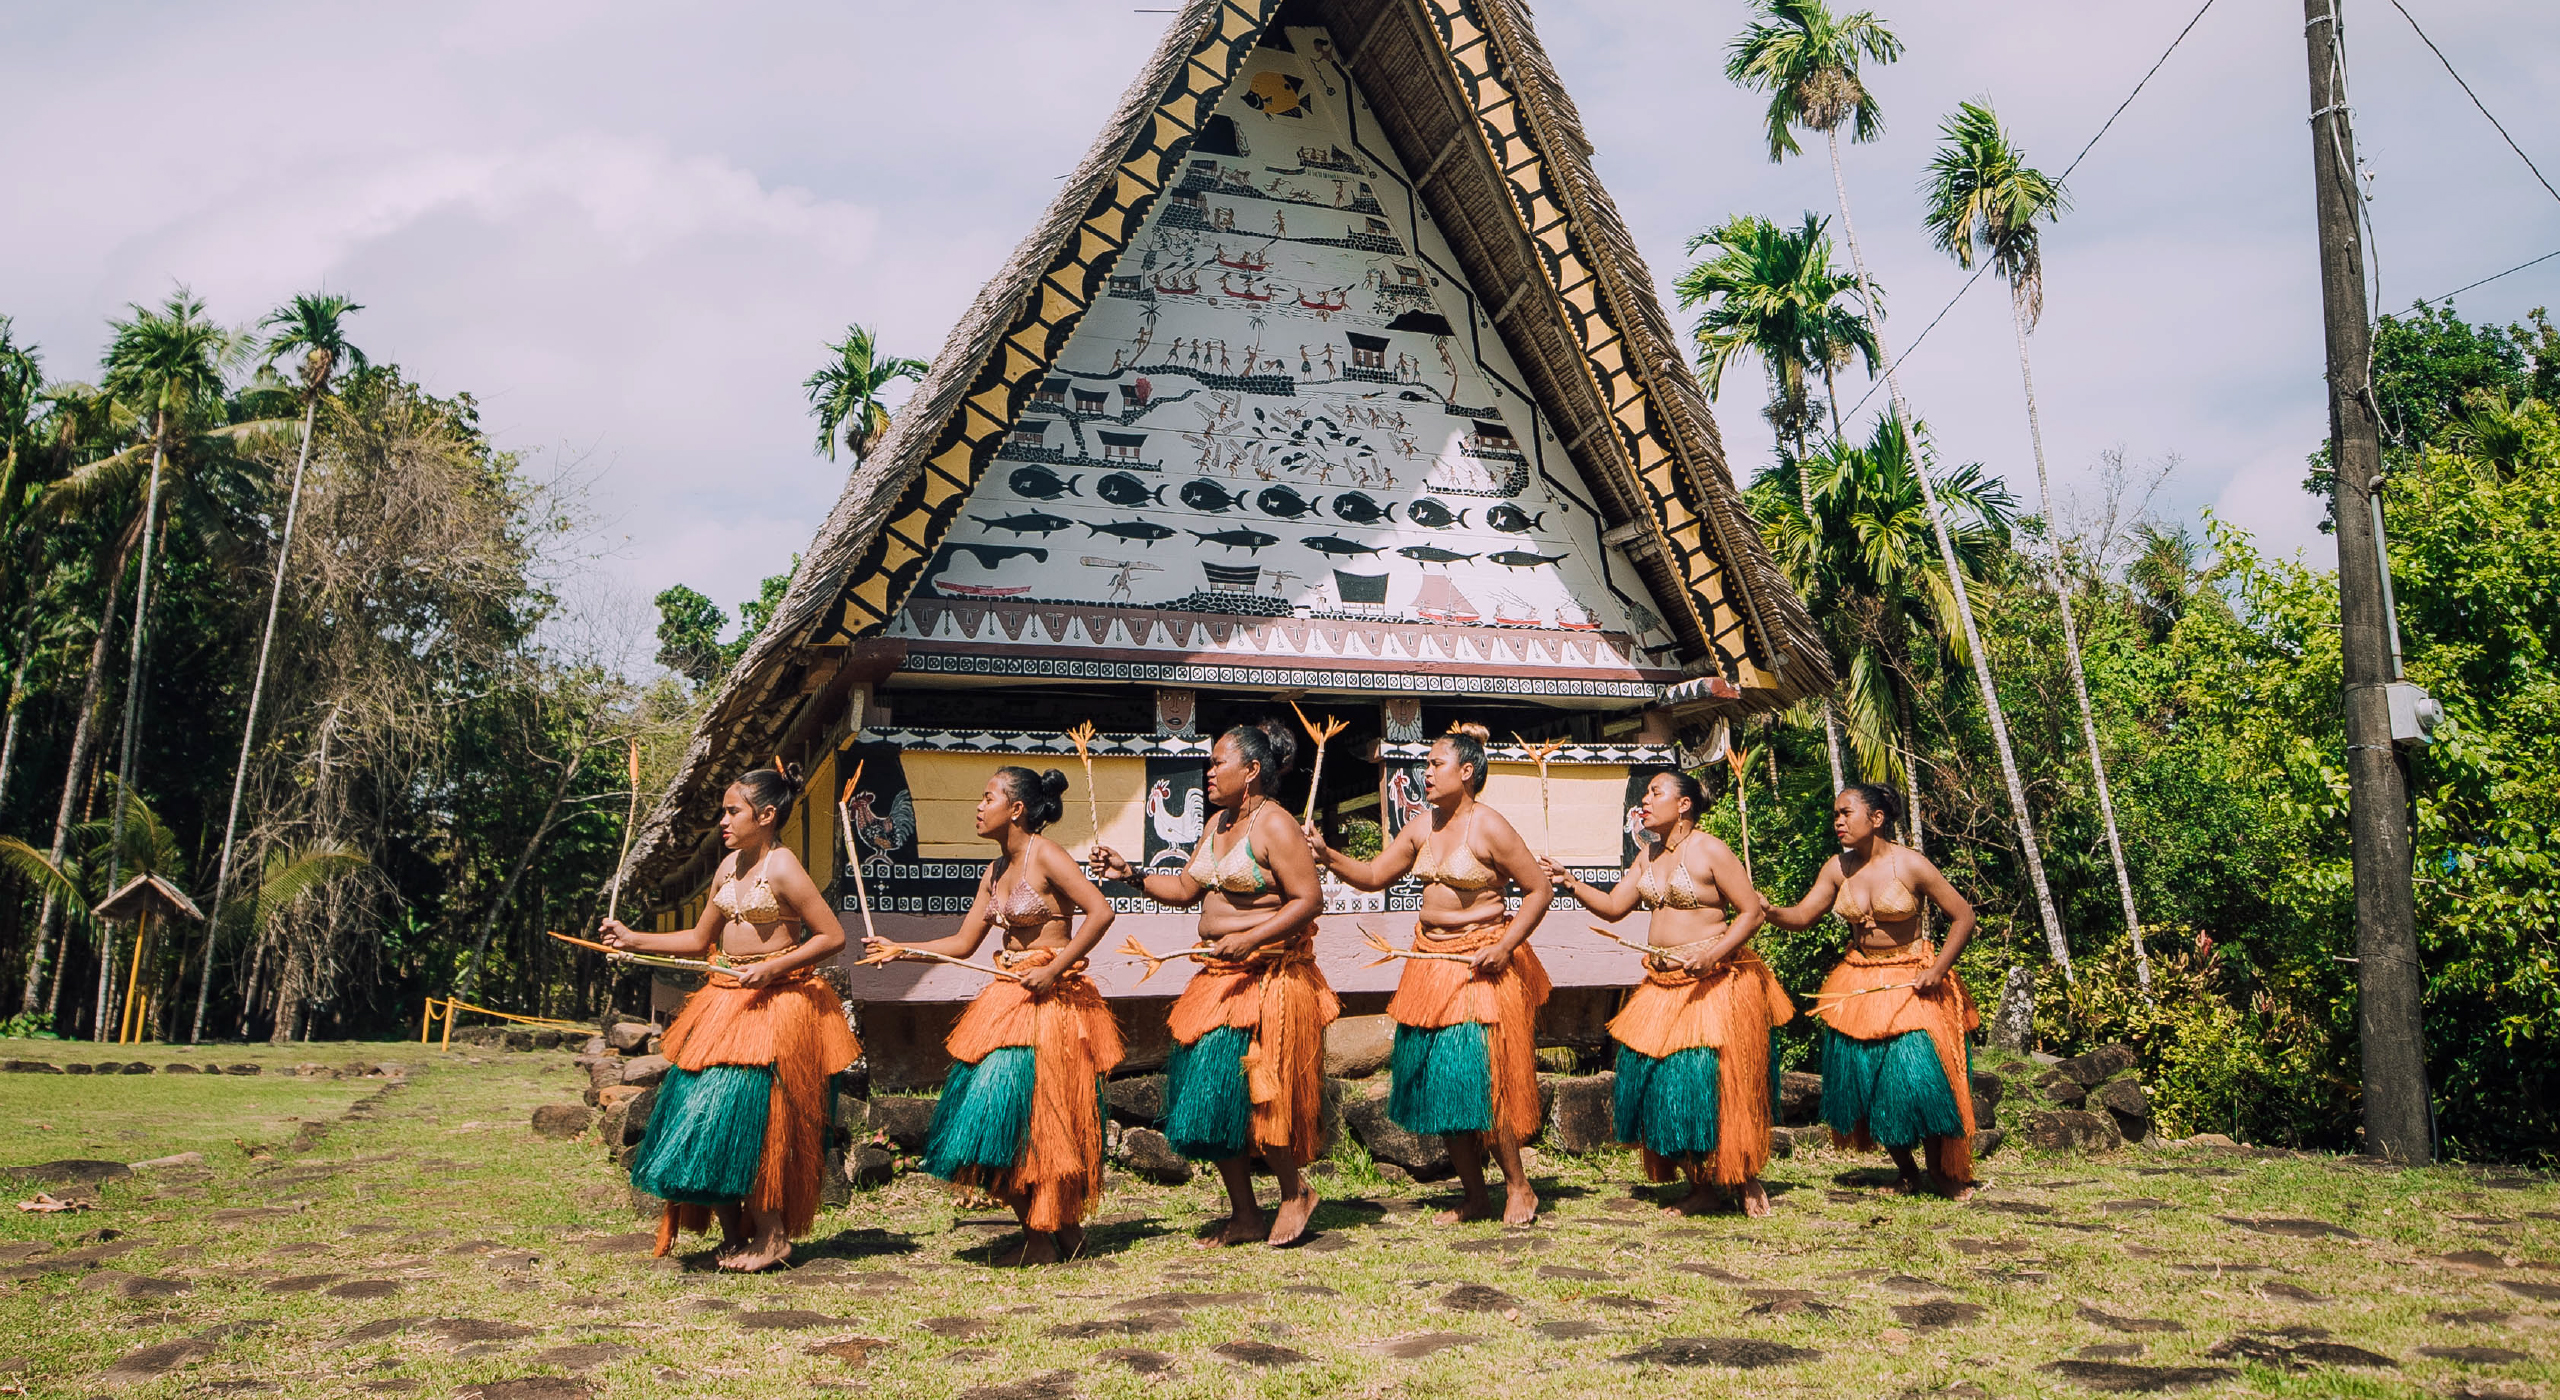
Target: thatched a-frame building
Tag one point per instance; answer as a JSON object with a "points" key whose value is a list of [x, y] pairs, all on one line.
{"points": [[1333, 375]]}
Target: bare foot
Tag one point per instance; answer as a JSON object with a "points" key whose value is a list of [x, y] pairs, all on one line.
{"points": [[1952, 1190], [1294, 1215], [1071, 1242], [1234, 1230], [1520, 1206], [759, 1256], [1907, 1186], [1755, 1199], [1036, 1248], [1701, 1199], [1472, 1208]]}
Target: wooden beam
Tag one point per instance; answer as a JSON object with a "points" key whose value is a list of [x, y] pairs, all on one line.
{"points": [[1447, 149], [1360, 46], [1511, 303]]}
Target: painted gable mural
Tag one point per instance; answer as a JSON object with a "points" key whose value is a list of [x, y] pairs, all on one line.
{"points": [[1290, 408]]}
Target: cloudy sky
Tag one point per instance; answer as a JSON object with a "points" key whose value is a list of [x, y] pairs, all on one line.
{"points": [[630, 228]]}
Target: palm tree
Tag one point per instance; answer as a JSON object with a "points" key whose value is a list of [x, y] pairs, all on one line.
{"points": [[1868, 542], [1774, 294], [97, 858], [1807, 60], [845, 394], [172, 364], [1985, 200], [313, 324]]}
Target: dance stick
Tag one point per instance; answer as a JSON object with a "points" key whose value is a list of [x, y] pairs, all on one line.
{"points": [[892, 952], [613, 901], [1135, 949], [1321, 734], [1739, 759], [1392, 952], [1546, 809], [852, 853], [1650, 947], [1082, 737], [626, 955], [1819, 1010]]}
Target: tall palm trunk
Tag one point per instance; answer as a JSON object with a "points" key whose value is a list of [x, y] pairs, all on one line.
{"points": [[1955, 580], [249, 727], [2071, 652], [132, 706], [84, 735], [1830, 716], [16, 702]]}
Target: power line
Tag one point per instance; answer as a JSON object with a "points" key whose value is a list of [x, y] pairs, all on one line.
{"points": [[2476, 102], [2103, 129], [2492, 277]]}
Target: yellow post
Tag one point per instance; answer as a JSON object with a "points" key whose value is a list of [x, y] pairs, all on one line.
{"points": [[127, 1028], [426, 1018], [448, 1025]]}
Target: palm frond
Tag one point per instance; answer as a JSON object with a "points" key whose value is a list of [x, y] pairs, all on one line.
{"points": [[38, 870], [1867, 714], [295, 871]]}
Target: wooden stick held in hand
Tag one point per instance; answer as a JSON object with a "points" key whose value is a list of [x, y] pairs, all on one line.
{"points": [[613, 901], [1082, 737], [1390, 952], [1321, 734], [1135, 949], [895, 952], [853, 853], [651, 959], [1546, 808]]}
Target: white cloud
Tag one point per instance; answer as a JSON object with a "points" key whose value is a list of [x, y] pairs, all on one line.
{"points": [[629, 229]]}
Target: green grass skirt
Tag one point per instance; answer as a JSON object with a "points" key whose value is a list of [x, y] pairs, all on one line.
{"points": [[1895, 1087], [1670, 1104], [1443, 1080], [1208, 1111], [706, 1135], [984, 1115]]}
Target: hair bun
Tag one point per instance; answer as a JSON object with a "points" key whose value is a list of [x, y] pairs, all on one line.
{"points": [[1053, 783], [1472, 730], [791, 774], [1284, 748]]}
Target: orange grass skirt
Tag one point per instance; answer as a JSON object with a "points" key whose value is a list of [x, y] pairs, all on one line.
{"points": [[1946, 1014], [1432, 994], [1057, 1181], [1729, 1009], [795, 1025], [1280, 997]]}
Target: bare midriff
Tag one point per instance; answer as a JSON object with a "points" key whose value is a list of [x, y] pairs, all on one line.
{"points": [[1222, 913], [1443, 907], [739, 939]]}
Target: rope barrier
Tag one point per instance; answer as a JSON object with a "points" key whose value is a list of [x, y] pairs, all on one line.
{"points": [[444, 1008]]}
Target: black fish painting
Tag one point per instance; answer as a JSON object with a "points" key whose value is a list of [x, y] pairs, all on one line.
{"points": [[1204, 494], [1522, 559], [1507, 518], [1433, 514], [1027, 523], [1238, 538], [1432, 554], [1144, 530], [1359, 509], [991, 555], [1042, 484], [1335, 544], [1122, 489], [1284, 503]]}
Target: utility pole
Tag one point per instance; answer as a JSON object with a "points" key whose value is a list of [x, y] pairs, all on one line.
{"points": [[2389, 1023]]}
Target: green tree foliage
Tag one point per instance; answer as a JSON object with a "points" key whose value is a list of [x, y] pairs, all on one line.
{"points": [[689, 628]]}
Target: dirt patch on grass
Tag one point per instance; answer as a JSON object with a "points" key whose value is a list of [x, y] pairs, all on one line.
{"points": [[1740, 1353]]}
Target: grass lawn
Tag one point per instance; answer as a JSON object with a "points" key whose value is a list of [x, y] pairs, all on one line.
{"points": [[431, 1243]]}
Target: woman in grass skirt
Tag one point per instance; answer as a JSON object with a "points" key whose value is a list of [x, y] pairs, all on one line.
{"points": [[1696, 1067], [1465, 1063], [1895, 1016], [1246, 1076], [740, 1127], [1021, 1111]]}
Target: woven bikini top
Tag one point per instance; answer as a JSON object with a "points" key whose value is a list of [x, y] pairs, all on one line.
{"points": [[1023, 906], [759, 907], [1894, 905], [1669, 885], [1236, 872], [1459, 870]]}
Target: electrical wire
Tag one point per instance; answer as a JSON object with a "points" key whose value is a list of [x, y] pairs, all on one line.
{"points": [[2092, 144], [2492, 277], [2475, 101]]}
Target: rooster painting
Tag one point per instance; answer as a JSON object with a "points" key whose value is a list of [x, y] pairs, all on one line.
{"points": [[1177, 830], [882, 836], [1404, 793]]}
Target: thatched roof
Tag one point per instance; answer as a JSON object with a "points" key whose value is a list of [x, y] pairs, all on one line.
{"points": [[1464, 94]]}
